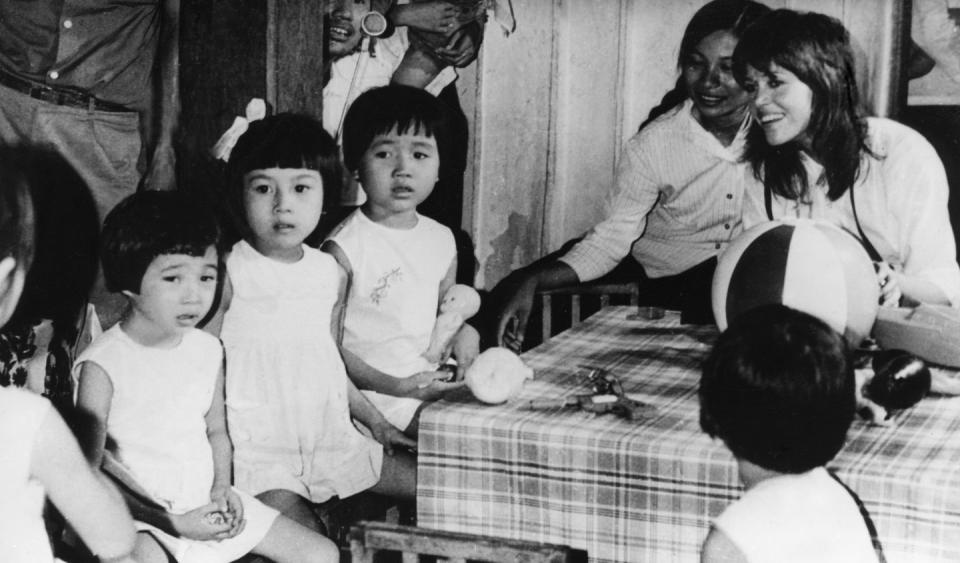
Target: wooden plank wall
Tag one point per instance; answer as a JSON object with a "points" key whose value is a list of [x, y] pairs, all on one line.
{"points": [[552, 104], [232, 51]]}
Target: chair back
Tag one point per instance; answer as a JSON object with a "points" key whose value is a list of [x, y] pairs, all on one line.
{"points": [[368, 538]]}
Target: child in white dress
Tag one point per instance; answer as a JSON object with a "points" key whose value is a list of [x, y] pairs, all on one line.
{"points": [[40, 457], [152, 387], [400, 262], [290, 404], [778, 389]]}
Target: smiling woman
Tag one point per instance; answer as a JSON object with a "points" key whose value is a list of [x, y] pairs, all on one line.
{"points": [[678, 188], [818, 156]]}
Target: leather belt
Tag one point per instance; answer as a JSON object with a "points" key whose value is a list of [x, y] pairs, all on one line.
{"points": [[61, 96]]}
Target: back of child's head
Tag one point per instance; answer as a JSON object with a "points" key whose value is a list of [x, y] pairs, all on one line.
{"points": [[149, 224], [778, 389], [17, 222], [67, 228], [284, 140], [405, 109]]}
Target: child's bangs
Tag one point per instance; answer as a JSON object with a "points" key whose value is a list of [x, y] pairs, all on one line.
{"points": [[408, 125], [287, 153]]}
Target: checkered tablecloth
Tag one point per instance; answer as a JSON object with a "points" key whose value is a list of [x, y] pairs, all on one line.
{"points": [[645, 491]]}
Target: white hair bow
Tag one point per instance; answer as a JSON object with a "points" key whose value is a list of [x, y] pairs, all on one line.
{"points": [[256, 109]]}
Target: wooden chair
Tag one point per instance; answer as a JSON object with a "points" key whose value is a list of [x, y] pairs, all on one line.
{"points": [[369, 538], [630, 292]]}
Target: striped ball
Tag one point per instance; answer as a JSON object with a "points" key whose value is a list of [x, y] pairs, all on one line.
{"points": [[808, 265]]}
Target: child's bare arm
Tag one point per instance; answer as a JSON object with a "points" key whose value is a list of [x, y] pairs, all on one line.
{"points": [[93, 508], [94, 394], [384, 432], [221, 493]]}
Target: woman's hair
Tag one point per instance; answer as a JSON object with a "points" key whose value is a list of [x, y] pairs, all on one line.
{"points": [[816, 48], [149, 224], [65, 237], [720, 15], [17, 222], [404, 108], [778, 389], [284, 140]]}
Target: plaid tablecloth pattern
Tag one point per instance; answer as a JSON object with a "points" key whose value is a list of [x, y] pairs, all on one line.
{"points": [[646, 490]]}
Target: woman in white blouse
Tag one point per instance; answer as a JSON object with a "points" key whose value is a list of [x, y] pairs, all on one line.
{"points": [[818, 156], [678, 191]]}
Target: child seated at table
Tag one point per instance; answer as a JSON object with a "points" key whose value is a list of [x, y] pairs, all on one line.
{"points": [[778, 389], [152, 389], [400, 263]]}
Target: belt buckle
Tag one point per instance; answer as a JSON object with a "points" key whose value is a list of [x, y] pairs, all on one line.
{"points": [[37, 92]]}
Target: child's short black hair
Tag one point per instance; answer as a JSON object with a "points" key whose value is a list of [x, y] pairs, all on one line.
{"points": [[380, 110], [17, 222], [778, 389], [149, 224], [285, 140]]}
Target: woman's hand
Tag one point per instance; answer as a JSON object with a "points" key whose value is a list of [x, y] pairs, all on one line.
{"points": [[436, 17], [428, 385], [513, 299], [890, 286], [390, 437], [205, 523]]}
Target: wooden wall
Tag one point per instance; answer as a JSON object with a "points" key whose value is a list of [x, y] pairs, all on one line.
{"points": [[235, 50], [552, 104]]}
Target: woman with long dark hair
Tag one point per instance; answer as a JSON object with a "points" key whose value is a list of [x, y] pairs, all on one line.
{"points": [[678, 188], [819, 156]]}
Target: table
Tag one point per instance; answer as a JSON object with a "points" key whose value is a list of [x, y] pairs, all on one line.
{"points": [[646, 490]]}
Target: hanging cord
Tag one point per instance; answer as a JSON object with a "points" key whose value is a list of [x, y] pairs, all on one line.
{"points": [[871, 250], [871, 529], [362, 57]]}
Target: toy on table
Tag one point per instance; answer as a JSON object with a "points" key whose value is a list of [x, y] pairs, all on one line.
{"points": [[805, 264], [606, 396], [459, 303], [496, 375], [895, 380]]}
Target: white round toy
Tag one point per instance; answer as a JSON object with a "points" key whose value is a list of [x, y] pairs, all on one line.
{"points": [[497, 375]]}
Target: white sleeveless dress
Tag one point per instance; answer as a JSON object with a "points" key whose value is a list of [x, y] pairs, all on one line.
{"points": [[287, 405], [394, 295]]}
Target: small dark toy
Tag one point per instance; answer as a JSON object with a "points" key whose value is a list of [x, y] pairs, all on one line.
{"points": [[607, 396], [900, 379]]}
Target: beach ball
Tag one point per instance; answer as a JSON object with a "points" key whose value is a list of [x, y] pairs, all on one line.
{"points": [[804, 264]]}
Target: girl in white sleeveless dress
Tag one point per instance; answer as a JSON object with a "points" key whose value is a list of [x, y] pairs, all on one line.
{"points": [[290, 404], [152, 391]]}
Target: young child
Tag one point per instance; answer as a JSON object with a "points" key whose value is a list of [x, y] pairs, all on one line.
{"points": [[778, 389], [40, 455], [289, 401], [400, 263], [152, 387]]}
